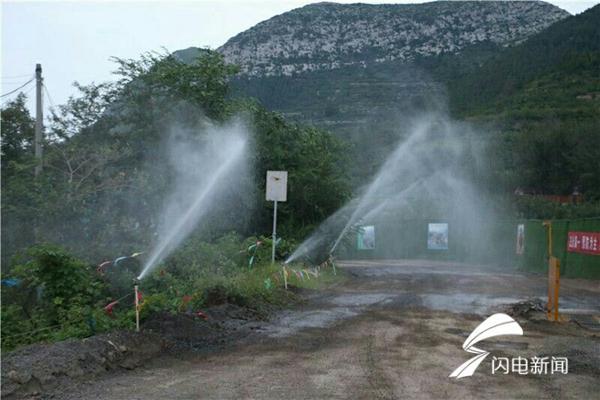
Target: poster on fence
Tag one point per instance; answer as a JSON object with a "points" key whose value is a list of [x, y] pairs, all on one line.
{"points": [[520, 239], [366, 238], [437, 236], [584, 242]]}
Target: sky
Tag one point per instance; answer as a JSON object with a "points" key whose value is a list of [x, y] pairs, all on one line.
{"points": [[74, 41]]}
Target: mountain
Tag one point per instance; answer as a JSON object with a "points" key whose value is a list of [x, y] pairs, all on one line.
{"points": [[526, 71], [564, 56], [355, 68], [358, 69], [327, 36], [347, 66], [543, 98]]}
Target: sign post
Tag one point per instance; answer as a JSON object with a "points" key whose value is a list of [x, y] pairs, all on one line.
{"points": [[276, 191], [274, 232], [553, 288], [553, 277]]}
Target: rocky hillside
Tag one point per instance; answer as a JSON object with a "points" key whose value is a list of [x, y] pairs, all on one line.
{"points": [[327, 36], [361, 70]]}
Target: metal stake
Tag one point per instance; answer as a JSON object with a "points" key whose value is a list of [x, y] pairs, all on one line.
{"points": [[137, 309], [274, 233]]}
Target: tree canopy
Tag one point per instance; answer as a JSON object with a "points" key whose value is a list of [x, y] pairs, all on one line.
{"points": [[105, 175]]}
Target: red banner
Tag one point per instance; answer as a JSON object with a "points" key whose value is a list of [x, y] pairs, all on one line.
{"points": [[584, 242]]}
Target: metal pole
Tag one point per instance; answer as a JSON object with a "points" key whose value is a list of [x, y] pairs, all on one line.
{"points": [[332, 264], [550, 239], [274, 233], [137, 309], [39, 119]]}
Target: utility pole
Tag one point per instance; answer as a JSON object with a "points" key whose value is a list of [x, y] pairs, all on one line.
{"points": [[39, 119]]}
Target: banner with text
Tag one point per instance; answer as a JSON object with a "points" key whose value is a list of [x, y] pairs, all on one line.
{"points": [[584, 242]]}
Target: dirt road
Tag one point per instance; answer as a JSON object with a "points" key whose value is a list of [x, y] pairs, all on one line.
{"points": [[389, 330]]}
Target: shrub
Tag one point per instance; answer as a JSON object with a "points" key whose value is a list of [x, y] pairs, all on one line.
{"points": [[57, 297]]}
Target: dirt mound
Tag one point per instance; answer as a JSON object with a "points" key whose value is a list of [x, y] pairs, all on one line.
{"points": [[220, 325], [526, 308], [43, 367], [216, 295]]}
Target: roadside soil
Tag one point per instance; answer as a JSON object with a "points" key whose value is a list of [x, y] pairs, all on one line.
{"points": [[42, 370], [388, 330]]}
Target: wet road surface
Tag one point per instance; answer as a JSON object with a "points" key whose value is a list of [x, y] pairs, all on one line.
{"points": [[387, 330]]}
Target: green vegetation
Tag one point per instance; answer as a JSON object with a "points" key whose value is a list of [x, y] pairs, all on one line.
{"points": [[541, 101], [105, 179], [362, 106], [60, 296], [564, 57], [105, 176], [57, 297], [534, 105]]}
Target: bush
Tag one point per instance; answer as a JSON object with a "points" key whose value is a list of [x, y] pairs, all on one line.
{"points": [[55, 299], [61, 297], [541, 208], [223, 257]]}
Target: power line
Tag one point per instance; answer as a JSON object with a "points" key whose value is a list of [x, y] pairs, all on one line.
{"points": [[25, 93], [16, 76], [19, 88], [12, 81], [48, 96]]}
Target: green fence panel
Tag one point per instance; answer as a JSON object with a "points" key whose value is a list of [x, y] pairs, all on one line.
{"points": [[535, 251], [486, 243]]}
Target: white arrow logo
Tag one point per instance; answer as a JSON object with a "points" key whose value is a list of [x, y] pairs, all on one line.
{"points": [[495, 325]]}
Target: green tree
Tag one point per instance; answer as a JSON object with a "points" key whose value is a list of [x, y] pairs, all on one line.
{"points": [[17, 134], [20, 198], [106, 173]]}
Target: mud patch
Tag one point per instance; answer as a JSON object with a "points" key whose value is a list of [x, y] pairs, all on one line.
{"points": [[44, 369], [357, 300], [456, 331], [41, 368], [225, 323], [293, 322], [525, 308], [466, 303]]}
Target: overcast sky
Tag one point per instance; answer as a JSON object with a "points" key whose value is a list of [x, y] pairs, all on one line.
{"points": [[75, 40]]}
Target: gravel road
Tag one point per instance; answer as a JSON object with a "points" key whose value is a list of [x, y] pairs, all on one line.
{"points": [[387, 330]]}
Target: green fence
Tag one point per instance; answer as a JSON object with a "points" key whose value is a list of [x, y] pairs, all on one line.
{"points": [[487, 243]]}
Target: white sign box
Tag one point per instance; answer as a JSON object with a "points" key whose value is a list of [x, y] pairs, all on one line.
{"points": [[277, 185]]}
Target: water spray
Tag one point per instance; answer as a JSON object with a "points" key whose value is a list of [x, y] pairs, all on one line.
{"points": [[428, 162], [223, 149], [376, 210]]}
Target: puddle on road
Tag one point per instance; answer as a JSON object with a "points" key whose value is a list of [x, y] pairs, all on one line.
{"points": [[295, 321], [345, 306], [349, 305], [389, 272], [466, 303], [362, 299]]}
